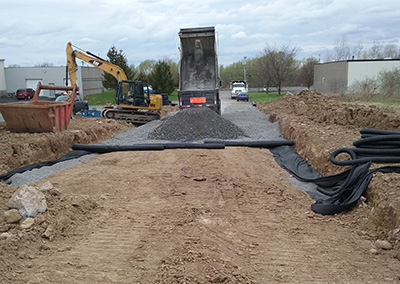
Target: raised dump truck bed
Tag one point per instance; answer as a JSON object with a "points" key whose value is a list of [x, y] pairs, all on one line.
{"points": [[198, 77], [39, 116]]}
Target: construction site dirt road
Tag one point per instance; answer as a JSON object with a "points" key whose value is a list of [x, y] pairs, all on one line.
{"points": [[208, 215]]}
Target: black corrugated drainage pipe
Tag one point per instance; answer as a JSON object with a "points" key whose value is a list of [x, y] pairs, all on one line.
{"points": [[343, 190]]}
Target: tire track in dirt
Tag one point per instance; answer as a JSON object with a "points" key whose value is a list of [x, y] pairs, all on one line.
{"points": [[201, 216]]}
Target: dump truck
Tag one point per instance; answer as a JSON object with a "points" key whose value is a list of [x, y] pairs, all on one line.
{"points": [[198, 73]]}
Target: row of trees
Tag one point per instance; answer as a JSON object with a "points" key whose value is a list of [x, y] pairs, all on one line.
{"points": [[275, 66], [343, 50], [159, 74]]}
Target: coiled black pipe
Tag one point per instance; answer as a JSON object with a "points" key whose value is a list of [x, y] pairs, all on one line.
{"points": [[375, 145]]}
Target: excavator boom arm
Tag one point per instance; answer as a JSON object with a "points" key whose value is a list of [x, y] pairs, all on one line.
{"points": [[96, 61], [132, 104]]}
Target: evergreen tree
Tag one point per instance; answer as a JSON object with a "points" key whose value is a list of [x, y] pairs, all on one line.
{"points": [[117, 58], [142, 77], [161, 78]]}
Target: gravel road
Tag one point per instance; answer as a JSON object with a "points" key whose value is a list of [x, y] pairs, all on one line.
{"points": [[251, 122]]}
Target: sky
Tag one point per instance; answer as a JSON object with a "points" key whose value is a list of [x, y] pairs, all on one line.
{"points": [[37, 32]]}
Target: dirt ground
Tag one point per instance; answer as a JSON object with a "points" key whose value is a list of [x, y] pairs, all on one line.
{"points": [[22, 149], [208, 216]]}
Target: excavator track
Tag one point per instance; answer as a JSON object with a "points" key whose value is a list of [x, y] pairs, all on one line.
{"points": [[132, 116]]}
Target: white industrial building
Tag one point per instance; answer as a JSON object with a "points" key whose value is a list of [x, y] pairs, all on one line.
{"points": [[337, 77], [89, 79]]}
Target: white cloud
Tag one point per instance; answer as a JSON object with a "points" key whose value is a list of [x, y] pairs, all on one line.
{"points": [[87, 40], [124, 39], [149, 29], [4, 40], [239, 35]]}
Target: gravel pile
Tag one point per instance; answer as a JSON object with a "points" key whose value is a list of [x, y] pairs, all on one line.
{"points": [[194, 124]]}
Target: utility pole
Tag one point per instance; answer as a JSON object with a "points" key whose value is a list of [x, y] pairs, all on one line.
{"points": [[244, 67]]}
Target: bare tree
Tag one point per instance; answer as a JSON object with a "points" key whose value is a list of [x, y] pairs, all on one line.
{"points": [[342, 49], [376, 51], [146, 66], [391, 51], [45, 64], [328, 56], [276, 65], [306, 73], [357, 50]]}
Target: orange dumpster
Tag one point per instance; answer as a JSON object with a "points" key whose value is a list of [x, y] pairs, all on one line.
{"points": [[39, 116]]}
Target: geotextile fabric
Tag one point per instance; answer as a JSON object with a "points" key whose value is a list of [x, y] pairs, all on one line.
{"points": [[71, 155], [343, 190]]}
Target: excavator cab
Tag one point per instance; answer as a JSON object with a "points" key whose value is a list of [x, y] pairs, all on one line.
{"points": [[133, 103], [132, 93]]}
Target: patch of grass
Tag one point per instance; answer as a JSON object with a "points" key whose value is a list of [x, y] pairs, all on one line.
{"points": [[173, 96], [253, 96], [109, 98], [263, 97], [388, 101], [378, 100], [101, 98], [393, 103]]}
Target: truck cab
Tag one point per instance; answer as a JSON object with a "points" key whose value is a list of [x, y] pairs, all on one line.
{"points": [[237, 87]]}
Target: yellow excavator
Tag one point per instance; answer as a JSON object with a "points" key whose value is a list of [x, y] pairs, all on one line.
{"points": [[133, 102]]}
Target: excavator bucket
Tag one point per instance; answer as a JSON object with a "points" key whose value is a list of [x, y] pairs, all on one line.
{"points": [[39, 116]]}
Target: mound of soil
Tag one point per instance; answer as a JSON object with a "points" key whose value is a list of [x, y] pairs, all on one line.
{"points": [[65, 214], [22, 149], [319, 125]]}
